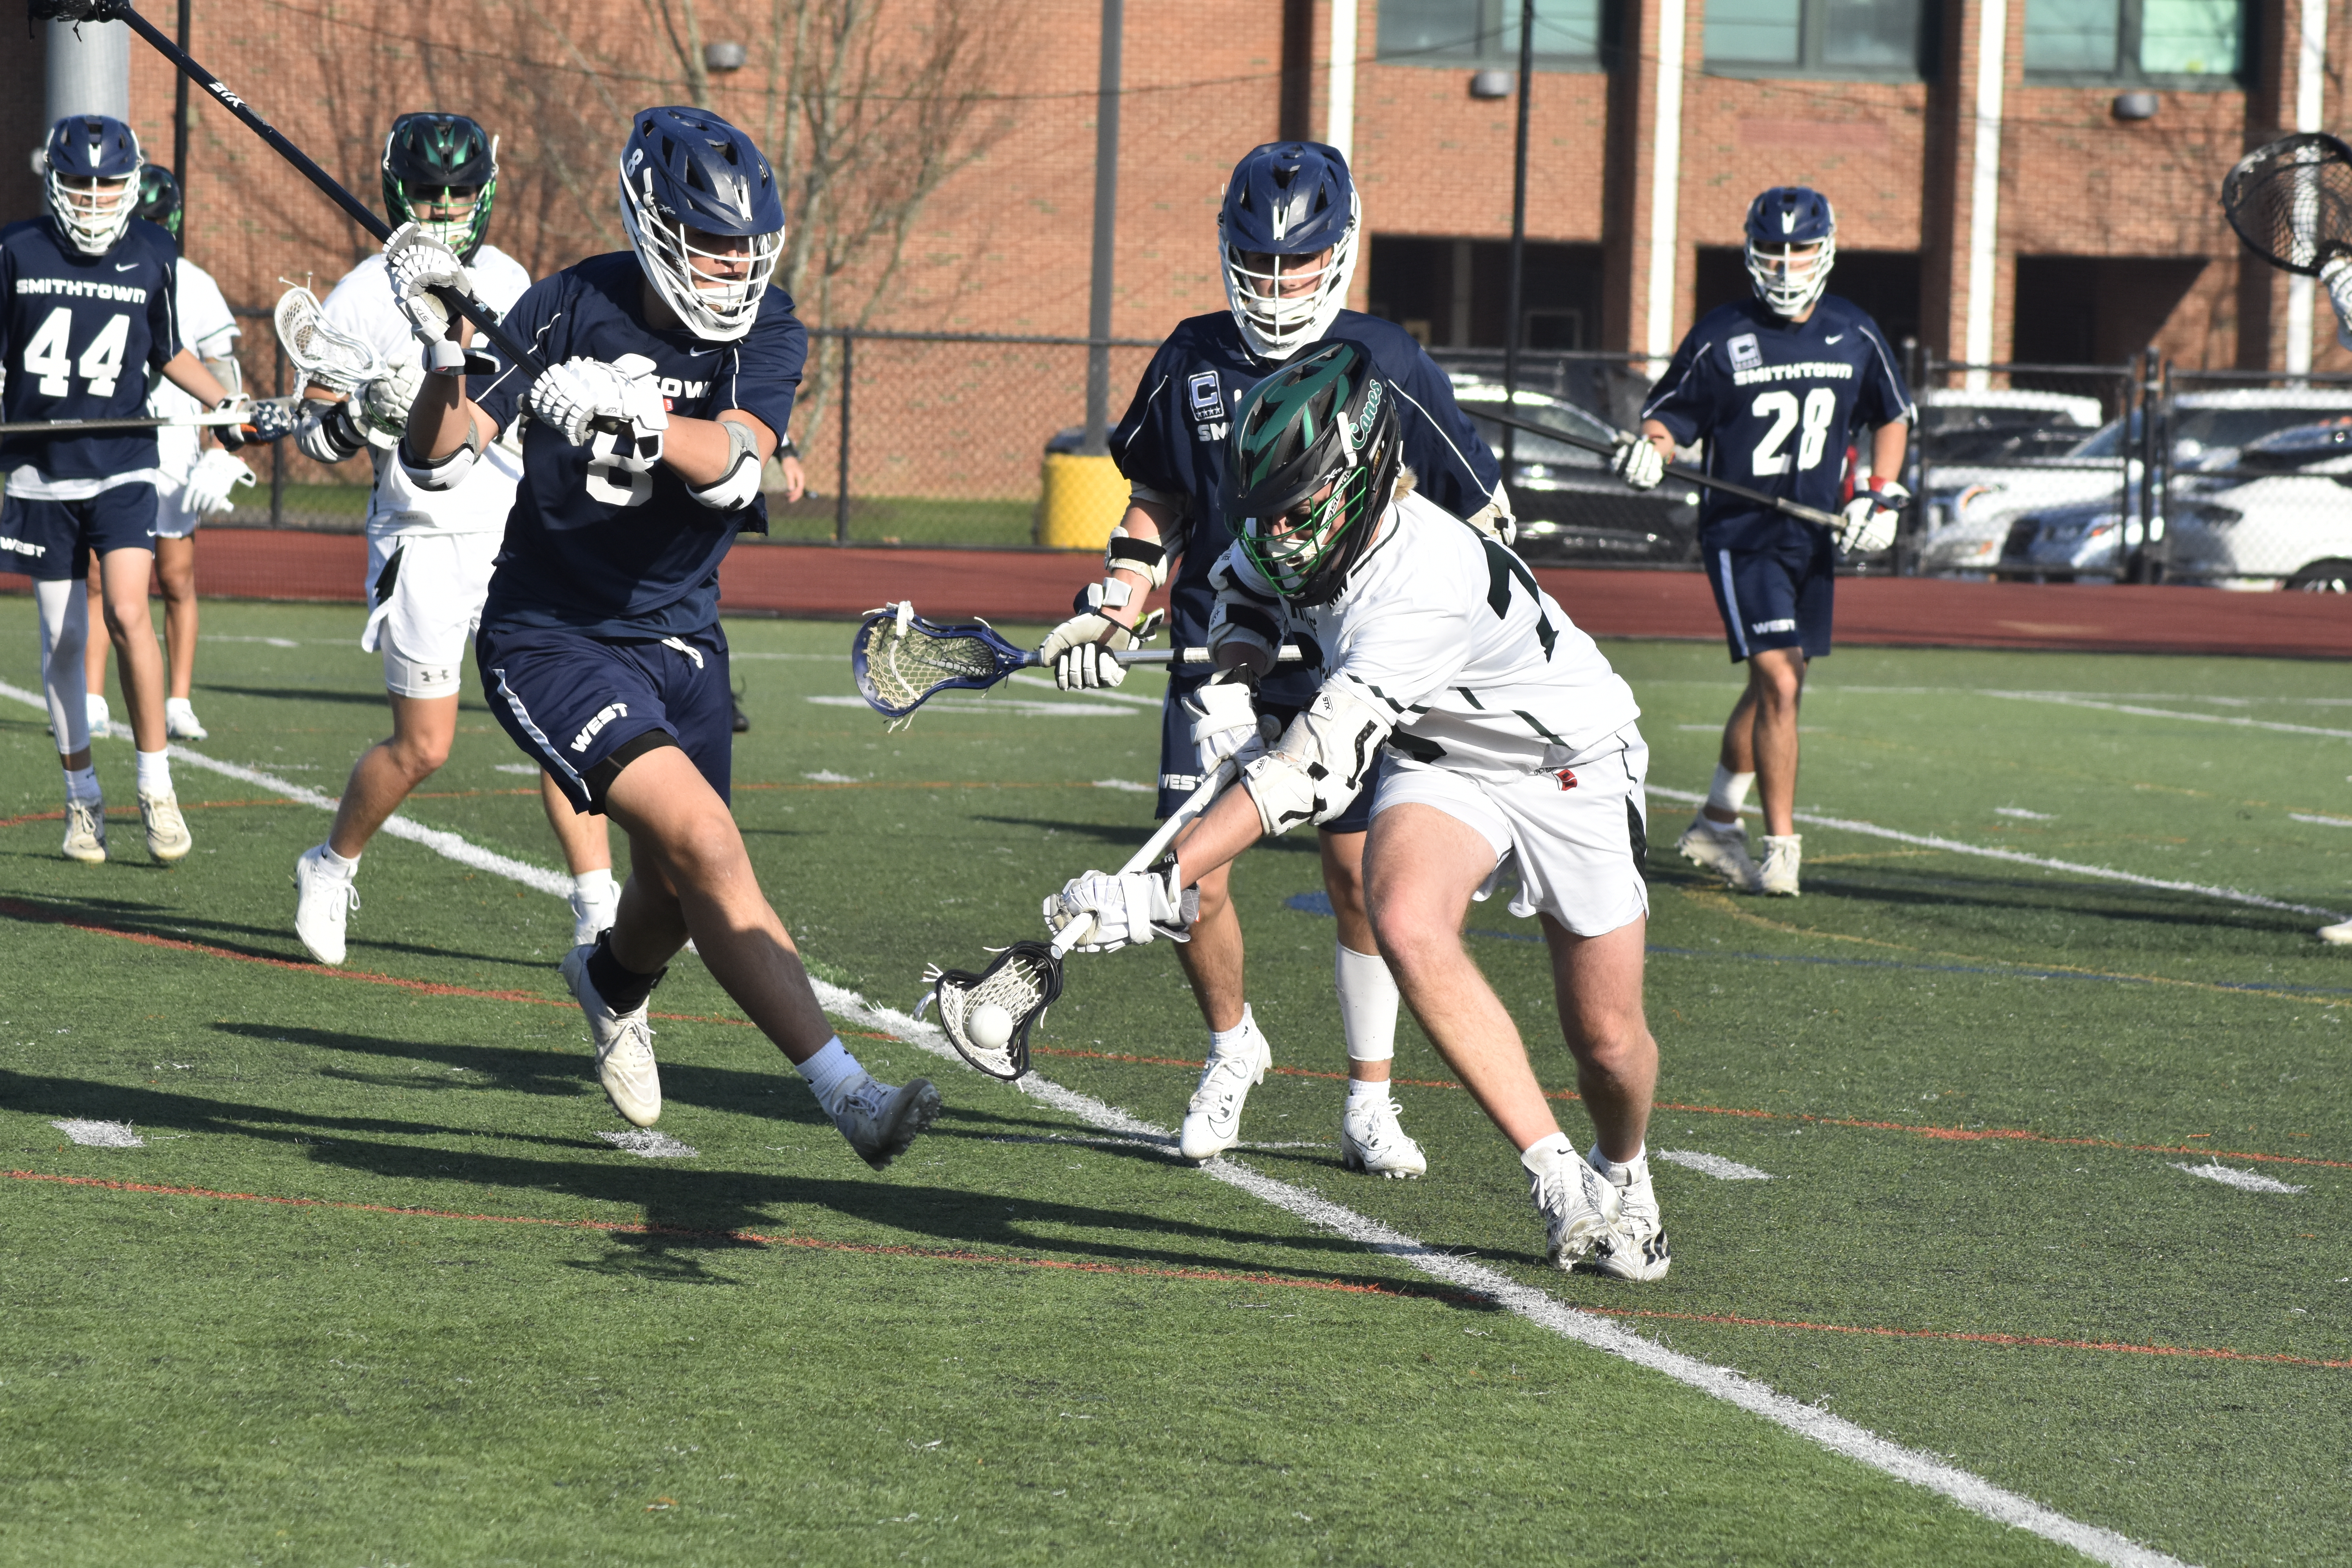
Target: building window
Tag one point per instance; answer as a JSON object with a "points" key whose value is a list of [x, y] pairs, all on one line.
{"points": [[2172, 43], [1455, 33], [1874, 39]]}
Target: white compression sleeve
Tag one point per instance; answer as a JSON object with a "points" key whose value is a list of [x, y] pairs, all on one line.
{"points": [[1368, 1004], [65, 634]]}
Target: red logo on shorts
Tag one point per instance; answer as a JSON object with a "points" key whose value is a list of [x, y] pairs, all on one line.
{"points": [[1567, 777]]}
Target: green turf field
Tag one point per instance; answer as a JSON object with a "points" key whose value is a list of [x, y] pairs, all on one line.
{"points": [[397, 1302]]}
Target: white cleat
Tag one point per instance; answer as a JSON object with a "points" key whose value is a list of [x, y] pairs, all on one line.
{"points": [[2339, 935], [624, 1046], [1778, 876], [1371, 1141], [180, 721], [1579, 1207], [86, 831], [168, 838], [101, 718], [1636, 1247], [591, 918], [323, 899], [1212, 1121], [1720, 848], [881, 1120]]}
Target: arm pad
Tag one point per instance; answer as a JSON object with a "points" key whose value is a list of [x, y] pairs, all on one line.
{"points": [[328, 433], [1243, 617], [738, 486], [444, 473], [1147, 558], [1321, 763]]}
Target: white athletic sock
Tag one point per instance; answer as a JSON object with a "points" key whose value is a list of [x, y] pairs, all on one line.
{"points": [[81, 783], [832, 1073], [596, 884], [1729, 791], [1546, 1151], [154, 772], [1361, 1089], [65, 634], [1223, 1040], [1368, 1004], [1625, 1175], [331, 861]]}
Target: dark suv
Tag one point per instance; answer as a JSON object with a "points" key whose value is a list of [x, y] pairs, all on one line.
{"points": [[1572, 510]]}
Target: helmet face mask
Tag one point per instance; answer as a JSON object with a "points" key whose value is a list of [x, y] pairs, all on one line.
{"points": [[1791, 245], [704, 214], [441, 172], [90, 173], [1315, 453], [1287, 234]]}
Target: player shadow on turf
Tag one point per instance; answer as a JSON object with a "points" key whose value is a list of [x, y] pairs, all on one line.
{"points": [[173, 922], [317, 694], [1129, 836], [53, 1098]]}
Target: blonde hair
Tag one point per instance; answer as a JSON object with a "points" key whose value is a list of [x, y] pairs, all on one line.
{"points": [[1406, 480]]}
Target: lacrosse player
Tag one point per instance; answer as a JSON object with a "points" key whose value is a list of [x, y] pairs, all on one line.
{"points": [[195, 481], [1775, 386], [86, 313], [1288, 235], [673, 367], [1511, 746], [429, 550]]}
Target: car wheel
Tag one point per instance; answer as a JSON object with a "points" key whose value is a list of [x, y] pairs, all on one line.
{"points": [[2322, 577]]}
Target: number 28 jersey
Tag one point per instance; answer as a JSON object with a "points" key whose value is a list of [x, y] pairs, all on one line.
{"points": [[1777, 402]]}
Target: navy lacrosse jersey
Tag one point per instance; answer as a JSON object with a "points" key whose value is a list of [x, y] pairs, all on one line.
{"points": [[80, 336], [1777, 403], [596, 549], [1174, 440]]}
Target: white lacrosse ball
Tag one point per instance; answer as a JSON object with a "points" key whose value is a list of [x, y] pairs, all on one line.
{"points": [[989, 1026]]}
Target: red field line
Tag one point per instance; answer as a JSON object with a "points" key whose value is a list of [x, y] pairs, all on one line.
{"points": [[128, 812]]}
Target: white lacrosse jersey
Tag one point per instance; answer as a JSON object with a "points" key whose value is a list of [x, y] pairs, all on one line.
{"points": [[361, 305], [1446, 632], [208, 326]]}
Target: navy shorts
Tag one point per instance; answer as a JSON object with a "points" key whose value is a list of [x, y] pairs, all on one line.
{"points": [[45, 539], [1179, 763], [1776, 597], [583, 707]]}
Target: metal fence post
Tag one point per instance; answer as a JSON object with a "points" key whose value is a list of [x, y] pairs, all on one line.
{"points": [[278, 449], [840, 488], [2159, 463]]}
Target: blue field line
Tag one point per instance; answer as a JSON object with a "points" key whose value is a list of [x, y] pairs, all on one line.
{"points": [[1319, 903]]}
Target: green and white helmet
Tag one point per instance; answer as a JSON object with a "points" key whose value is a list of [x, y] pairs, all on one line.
{"points": [[1311, 465], [428, 154]]}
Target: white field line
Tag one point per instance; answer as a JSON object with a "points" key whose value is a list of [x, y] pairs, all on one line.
{"points": [[1715, 1165], [2244, 1181], [2066, 699], [1104, 696], [111, 1134], [1130, 787], [2017, 858], [647, 1143], [2322, 821]]}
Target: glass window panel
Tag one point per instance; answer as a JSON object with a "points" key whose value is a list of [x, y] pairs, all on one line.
{"points": [[2072, 35], [1562, 27], [1871, 33], [2188, 37], [1754, 31], [1430, 29]]}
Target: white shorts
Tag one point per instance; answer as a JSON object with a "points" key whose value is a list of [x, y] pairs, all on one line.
{"points": [[425, 604], [173, 518], [1576, 837]]}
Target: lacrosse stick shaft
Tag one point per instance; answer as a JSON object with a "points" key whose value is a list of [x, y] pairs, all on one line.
{"points": [[1288, 654], [1195, 805], [75, 426], [473, 310], [1689, 476]]}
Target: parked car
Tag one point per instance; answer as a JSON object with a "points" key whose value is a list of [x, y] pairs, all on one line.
{"points": [[2002, 424], [1572, 510]]}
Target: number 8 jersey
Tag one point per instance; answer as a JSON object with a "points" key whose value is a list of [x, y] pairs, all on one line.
{"points": [[1777, 402], [79, 336]]}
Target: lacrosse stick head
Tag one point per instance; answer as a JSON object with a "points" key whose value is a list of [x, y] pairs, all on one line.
{"points": [[901, 660], [1023, 980], [325, 356], [2291, 201]]}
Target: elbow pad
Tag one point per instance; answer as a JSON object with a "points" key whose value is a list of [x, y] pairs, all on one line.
{"points": [[738, 486], [327, 435], [443, 473], [1243, 617], [1320, 765], [1147, 558]]}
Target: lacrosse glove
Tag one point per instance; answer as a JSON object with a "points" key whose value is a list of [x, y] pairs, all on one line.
{"points": [[1224, 722], [1080, 650], [417, 264], [217, 474], [1637, 463], [1119, 908], [615, 410], [384, 402], [1870, 518]]}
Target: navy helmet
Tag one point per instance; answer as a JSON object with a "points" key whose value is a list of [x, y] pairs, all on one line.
{"points": [[159, 197], [427, 158], [89, 171], [1287, 199], [1785, 219], [687, 172]]}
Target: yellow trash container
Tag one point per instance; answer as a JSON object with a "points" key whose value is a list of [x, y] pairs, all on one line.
{"points": [[1083, 500]]}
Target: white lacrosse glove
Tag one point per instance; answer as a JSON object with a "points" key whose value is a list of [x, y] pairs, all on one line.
{"points": [[1224, 722], [1080, 650], [217, 474], [1637, 463], [621, 400], [417, 263], [1870, 518], [1118, 909], [384, 404]]}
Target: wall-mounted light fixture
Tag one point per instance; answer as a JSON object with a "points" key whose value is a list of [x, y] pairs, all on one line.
{"points": [[2134, 106], [1492, 84], [724, 57]]}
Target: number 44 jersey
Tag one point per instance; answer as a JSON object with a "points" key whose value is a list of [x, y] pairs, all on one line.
{"points": [[79, 336], [1777, 402]]}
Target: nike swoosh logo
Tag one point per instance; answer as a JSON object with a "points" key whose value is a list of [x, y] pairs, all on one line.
{"points": [[1833, 338], [126, 267]]}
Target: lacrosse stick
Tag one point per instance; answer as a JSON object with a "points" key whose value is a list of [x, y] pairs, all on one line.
{"points": [[902, 660], [2291, 203], [1689, 476], [326, 355], [1025, 979], [275, 418]]}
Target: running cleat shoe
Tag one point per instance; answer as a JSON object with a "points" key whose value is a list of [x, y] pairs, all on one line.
{"points": [[101, 721], [880, 1121], [323, 899], [1372, 1141], [86, 831], [624, 1046], [1777, 875], [180, 721], [2339, 935], [1636, 1247], [1577, 1205], [1212, 1121], [1721, 847], [168, 838], [593, 916]]}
